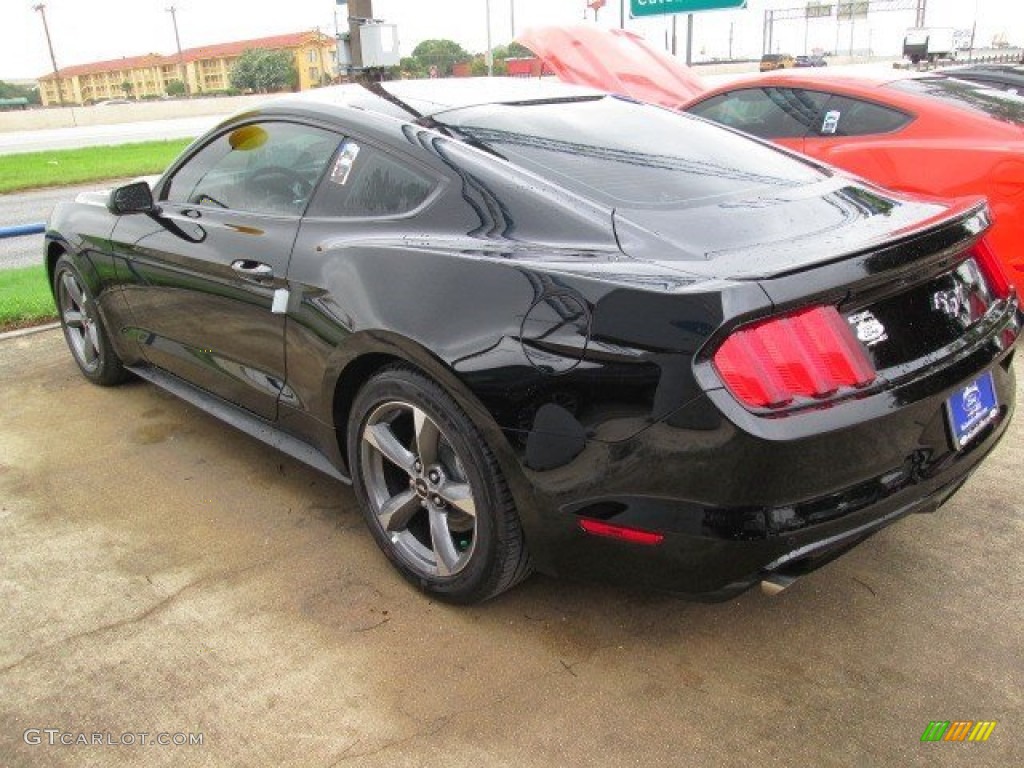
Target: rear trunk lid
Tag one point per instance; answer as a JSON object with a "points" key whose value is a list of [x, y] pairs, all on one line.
{"points": [[914, 280], [765, 233]]}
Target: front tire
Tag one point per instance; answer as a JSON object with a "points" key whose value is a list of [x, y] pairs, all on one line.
{"points": [[83, 327], [431, 490]]}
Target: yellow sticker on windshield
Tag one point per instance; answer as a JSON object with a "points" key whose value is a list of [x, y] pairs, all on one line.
{"points": [[247, 138]]}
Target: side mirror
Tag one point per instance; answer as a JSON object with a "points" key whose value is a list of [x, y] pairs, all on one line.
{"points": [[136, 197]]}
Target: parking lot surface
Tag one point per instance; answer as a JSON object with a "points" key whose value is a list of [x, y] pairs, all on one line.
{"points": [[162, 574]]}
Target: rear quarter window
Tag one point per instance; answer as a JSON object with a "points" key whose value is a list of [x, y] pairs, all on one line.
{"points": [[364, 182], [846, 116]]}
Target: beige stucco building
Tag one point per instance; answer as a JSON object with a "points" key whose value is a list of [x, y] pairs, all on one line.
{"points": [[206, 70]]}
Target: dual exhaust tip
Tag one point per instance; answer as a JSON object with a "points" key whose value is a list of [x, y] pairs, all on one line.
{"points": [[774, 583]]}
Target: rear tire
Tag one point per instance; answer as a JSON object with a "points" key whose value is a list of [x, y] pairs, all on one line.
{"points": [[83, 327], [431, 490]]}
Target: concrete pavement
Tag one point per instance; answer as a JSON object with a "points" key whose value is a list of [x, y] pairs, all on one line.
{"points": [[162, 573]]}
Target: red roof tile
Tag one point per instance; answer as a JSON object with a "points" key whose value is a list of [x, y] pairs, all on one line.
{"points": [[215, 51]]}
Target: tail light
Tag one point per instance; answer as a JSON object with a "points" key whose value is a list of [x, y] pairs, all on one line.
{"points": [[811, 353], [995, 275]]}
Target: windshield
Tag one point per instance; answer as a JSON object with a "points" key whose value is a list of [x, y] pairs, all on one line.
{"points": [[627, 154], [1001, 105]]}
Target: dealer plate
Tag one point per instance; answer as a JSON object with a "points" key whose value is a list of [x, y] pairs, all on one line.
{"points": [[972, 408]]}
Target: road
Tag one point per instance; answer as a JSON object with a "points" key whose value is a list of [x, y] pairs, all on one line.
{"points": [[96, 135], [28, 208], [164, 573]]}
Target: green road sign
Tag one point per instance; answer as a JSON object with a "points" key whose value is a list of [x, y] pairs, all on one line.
{"points": [[658, 7]]}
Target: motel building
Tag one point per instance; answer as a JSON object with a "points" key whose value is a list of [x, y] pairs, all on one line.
{"points": [[206, 69]]}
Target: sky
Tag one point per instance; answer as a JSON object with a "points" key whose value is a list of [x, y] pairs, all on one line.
{"points": [[93, 30]]}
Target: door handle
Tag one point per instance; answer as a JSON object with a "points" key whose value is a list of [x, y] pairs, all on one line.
{"points": [[253, 270]]}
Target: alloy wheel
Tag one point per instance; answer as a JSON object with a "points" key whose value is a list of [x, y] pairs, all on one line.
{"points": [[81, 325], [418, 489]]}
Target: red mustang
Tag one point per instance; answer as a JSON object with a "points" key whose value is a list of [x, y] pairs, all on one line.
{"points": [[928, 135]]}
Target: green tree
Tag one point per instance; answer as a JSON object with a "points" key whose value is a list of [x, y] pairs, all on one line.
{"points": [[127, 87], [439, 53], [478, 67], [175, 88], [512, 51], [517, 51], [410, 66], [12, 91], [264, 71]]}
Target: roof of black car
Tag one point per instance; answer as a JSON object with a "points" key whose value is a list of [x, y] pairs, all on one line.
{"points": [[430, 97]]}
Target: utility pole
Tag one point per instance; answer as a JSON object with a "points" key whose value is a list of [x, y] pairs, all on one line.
{"points": [[622, 14], [53, 59], [769, 31], [689, 39], [732, 25], [512, 16], [489, 56], [360, 11], [674, 37], [177, 41], [922, 6]]}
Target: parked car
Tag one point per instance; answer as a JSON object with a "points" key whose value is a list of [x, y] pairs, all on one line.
{"points": [[810, 61], [924, 134], [1005, 77], [540, 326], [773, 61]]}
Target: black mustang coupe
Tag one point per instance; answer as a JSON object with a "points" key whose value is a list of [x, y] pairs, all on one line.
{"points": [[541, 327]]}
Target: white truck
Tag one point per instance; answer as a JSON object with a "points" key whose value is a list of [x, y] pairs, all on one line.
{"points": [[929, 44]]}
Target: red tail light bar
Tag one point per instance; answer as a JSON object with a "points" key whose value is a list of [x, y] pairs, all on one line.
{"points": [[995, 274], [811, 353]]}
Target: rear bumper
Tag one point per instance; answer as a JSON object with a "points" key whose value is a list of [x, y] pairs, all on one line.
{"points": [[709, 568], [734, 506]]}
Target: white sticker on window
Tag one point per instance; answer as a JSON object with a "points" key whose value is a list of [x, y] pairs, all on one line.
{"points": [[343, 165], [831, 123]]}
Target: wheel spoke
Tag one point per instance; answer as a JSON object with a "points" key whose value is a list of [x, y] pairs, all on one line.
{"points": [[89, 350], [441, 539], [383, 439], [73, 318], [460, 496], [71, 286], [427, 437], [93, 337], [397, 511]]}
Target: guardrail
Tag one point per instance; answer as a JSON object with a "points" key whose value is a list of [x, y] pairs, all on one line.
{"points": [[20, 230]]}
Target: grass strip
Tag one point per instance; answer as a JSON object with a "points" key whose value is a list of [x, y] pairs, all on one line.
{"points": [[25, 298], [61, 167]]}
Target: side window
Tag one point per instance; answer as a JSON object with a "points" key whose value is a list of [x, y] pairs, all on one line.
{"points": [[365, 182], [267, 167], [845, 116], [770, 113]]}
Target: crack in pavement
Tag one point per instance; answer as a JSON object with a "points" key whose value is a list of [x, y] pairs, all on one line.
{"points": [[140, 617]]}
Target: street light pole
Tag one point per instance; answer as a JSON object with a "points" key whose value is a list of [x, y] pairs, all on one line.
{"points": [[177, 41], [53, 59]]}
